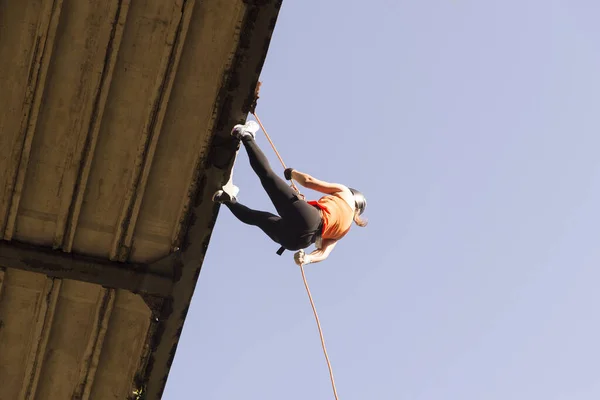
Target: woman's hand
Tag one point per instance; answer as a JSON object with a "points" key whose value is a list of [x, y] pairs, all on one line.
{"points": [[301, 258], [312, 183], [318, 255], [288, 173]]}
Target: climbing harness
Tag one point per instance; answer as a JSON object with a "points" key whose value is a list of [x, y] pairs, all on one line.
{"points": [[312, 303]]}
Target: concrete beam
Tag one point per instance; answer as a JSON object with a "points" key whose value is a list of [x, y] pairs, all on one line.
{"points": [[91, 357], [177, 32], [39, 340], [72, 199], [136, 278], [40, 63]]}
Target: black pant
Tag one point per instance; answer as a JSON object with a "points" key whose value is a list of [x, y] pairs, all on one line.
{"points": [[296, 225]]}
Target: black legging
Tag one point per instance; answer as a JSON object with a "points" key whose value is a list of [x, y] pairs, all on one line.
{"points": [[295, 226]]}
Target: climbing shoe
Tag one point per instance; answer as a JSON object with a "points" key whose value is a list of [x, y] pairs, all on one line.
{"points": [[222, 196], [244, 131]]}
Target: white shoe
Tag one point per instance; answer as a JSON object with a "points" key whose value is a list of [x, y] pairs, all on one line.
{"points": [[222, 196], [247, 130]]}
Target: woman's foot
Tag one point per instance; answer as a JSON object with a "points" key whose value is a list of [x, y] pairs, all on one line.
{"points": [[226, 195], [245, 131]]}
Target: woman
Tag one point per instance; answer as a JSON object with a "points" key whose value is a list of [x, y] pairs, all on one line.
{"points": [[299, 223]]}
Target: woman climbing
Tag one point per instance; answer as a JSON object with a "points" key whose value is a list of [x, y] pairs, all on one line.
{"points": [[299, 223]]}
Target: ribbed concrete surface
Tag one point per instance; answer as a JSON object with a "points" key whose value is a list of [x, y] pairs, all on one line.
{"points": [[108, 114]]}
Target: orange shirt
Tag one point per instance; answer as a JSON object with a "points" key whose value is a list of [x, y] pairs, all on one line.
{"points": [[337, 216]]}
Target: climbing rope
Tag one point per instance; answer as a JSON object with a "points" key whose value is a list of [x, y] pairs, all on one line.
{"points": [[293, 185], [312, 303]]}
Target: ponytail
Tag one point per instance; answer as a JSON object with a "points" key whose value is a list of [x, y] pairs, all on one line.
{"points": [[362, 222]]}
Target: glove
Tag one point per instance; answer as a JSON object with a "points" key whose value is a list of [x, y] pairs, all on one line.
{"points": [[300, 258], [288, 173]]}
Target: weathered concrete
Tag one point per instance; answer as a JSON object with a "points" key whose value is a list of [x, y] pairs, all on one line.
{"points": [[135, 277], [114, 122]]}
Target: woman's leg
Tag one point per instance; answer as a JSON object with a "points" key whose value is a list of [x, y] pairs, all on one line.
{"points": [[305, 217], [299, 216], [277, 189], [269, 223]]}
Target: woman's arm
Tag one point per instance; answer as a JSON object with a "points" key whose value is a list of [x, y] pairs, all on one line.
{"points": [[312, 183], [320, 254]]}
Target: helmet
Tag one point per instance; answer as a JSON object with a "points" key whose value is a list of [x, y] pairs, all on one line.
{"points": [[359, 200]]}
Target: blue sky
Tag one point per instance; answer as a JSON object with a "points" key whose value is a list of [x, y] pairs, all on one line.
{"points": [[473, 128]]}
